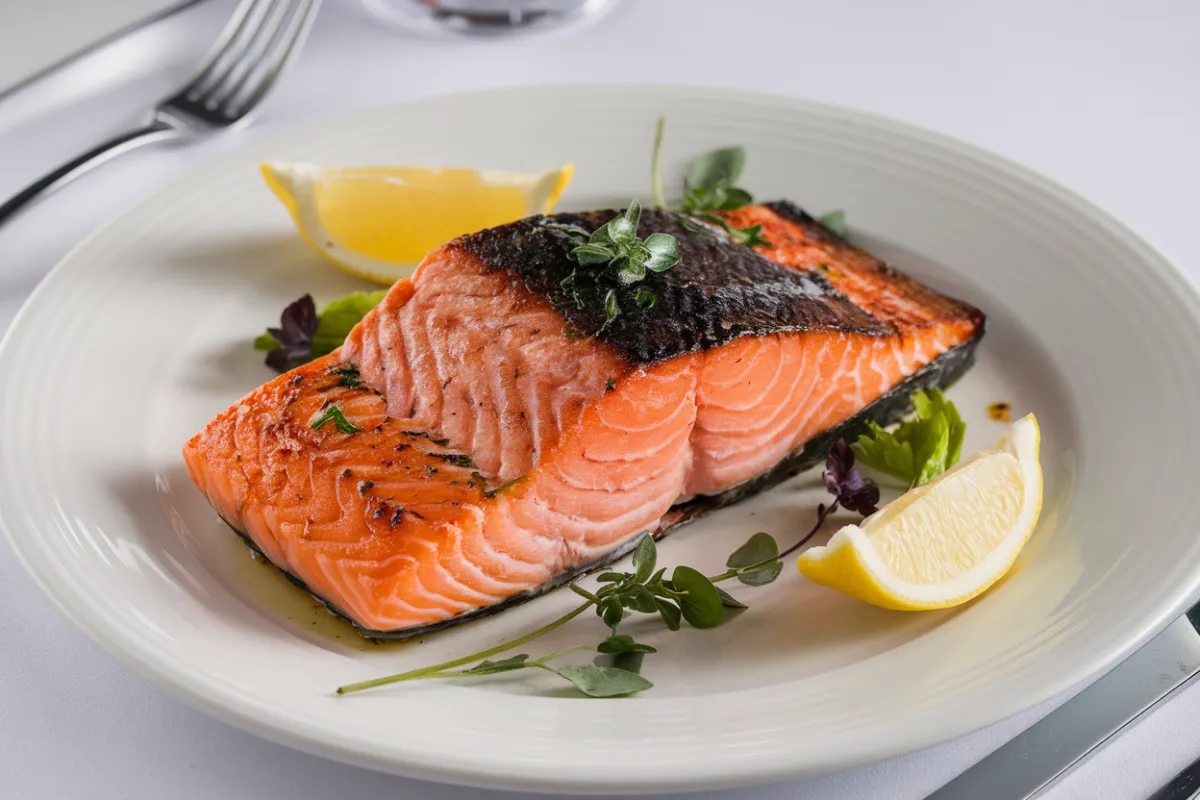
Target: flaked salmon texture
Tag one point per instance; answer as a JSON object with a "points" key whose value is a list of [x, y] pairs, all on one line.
{"points": [[509, 439]]}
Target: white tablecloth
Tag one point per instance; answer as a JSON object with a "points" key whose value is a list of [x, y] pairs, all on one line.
{"points": [[1103, 96]]}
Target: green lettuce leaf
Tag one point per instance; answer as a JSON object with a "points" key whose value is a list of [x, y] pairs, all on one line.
{"points": [[919, 448], [340, 317]]}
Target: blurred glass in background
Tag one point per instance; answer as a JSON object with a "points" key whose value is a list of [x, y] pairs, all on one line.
{"points": [[487, 17]]}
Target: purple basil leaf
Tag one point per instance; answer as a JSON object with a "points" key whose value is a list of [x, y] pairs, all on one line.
{"points": [[299, 320], [852, 490], [297, 324], [864, 498], [838, 465], [279, 359]]}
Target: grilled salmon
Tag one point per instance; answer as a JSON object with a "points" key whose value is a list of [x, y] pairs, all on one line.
{"points": [[499, 435]]}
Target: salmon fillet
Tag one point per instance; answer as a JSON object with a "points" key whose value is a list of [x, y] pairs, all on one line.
{"points": [[508, 438]]}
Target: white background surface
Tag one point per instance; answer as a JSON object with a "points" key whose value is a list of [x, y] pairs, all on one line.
{"points": [[1103, 96]]}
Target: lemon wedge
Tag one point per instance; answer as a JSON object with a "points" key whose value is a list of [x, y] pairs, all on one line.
{"points": [[943, 543], [379, 222]]}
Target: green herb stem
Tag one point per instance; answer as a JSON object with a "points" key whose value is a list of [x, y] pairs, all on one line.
{"points": [[656, 184], [582, 592], [458, 662], [822, 513]]}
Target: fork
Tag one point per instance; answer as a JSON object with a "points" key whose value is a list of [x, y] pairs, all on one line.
{"points": [[253, 49]]}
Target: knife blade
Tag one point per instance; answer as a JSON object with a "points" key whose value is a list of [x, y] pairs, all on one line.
{"points": [[1184, 786], [1051, 748]]}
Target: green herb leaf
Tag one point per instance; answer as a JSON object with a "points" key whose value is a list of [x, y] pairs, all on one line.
{"points": [[664, 252], [645, 298], [621, 643], [623, 230], [921, 447], [700, 603], [610, 611], [729, 601], [757, 561], [834, 221], [611, 306], [632, 269], [749, 236], [734, 197], [348, 375], [605, 681], [613, 252], [267, 342], [721, 167], [339, 419], [600, 237], [669, 612], [611, 577], [492, 667], [761, 576], [591, 254], [339, 318], [759, 547], [645, 556], [690, 224], [637, 598]]}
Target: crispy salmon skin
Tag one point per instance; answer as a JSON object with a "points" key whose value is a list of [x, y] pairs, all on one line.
{"points": [[503, 437]]}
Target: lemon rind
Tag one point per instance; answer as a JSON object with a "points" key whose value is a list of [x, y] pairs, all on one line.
{"points": [[884, 588]]}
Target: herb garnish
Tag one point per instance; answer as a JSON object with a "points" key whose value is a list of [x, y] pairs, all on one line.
{"points": [[834, 221], [687, 596], [339, 419], [456, 459], [479, 481], [303, 334], [290, 345], [347, 375], [613, 256], [920, 448], [710, 186]]}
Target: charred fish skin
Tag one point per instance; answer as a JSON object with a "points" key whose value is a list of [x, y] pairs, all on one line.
{"points": [[719, 291]]}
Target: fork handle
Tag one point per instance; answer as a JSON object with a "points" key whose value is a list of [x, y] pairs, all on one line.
{"points": [[154, 132]]}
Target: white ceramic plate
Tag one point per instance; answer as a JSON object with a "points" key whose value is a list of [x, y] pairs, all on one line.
{"points": [[143, 333]]}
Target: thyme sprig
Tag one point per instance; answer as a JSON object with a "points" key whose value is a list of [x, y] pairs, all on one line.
{"points": [[613, 256]]}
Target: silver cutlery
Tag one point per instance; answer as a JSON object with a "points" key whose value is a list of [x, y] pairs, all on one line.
{"points": [[1184, 786], [1050, 749], [253, 49]]}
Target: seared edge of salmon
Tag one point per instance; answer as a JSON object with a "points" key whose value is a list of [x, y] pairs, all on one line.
{"points": [[605, 448]]}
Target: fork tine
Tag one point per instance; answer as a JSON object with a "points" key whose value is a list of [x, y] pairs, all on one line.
{"points": [[255, 52], [229, 46], [286, 46]]}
